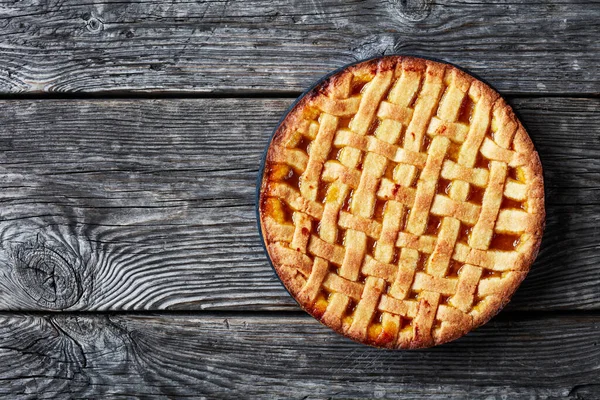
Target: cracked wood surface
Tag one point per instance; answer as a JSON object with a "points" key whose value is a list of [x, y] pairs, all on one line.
{"points": [[145, 205], [257, 356], [140, 211], [281, 46]]}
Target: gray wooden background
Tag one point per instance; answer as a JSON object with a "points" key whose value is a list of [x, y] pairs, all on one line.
{"points": [[130, 139]]}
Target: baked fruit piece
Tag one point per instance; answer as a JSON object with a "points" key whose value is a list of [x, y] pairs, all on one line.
{"points": [[402, 202]]}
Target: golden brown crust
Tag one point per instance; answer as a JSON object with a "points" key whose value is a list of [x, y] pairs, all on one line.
{"points": [[402, 202]]}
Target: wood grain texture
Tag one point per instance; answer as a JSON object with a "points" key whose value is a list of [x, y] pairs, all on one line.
{"points": [[148, 205], [281, 46], [141, 205], [278, 356]]}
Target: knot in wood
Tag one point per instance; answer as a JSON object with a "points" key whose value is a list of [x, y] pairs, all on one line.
{"points": [[94, 25], [413, 10], [47, 277]]}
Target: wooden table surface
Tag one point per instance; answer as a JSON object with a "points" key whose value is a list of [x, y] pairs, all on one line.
{"points": [[130, 139]]}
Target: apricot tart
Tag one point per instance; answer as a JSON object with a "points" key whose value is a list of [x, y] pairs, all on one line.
{"points": [[401, 202]]}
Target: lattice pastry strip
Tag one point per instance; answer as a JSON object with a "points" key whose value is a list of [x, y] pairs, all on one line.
{"points": [[402, 202]]}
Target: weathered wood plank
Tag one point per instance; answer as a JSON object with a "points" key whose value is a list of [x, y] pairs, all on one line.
{"points": [[281, 46], [148, 204], [288, 356]]}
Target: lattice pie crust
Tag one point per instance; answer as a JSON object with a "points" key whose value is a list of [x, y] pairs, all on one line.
{"points": [[402, 202]]}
